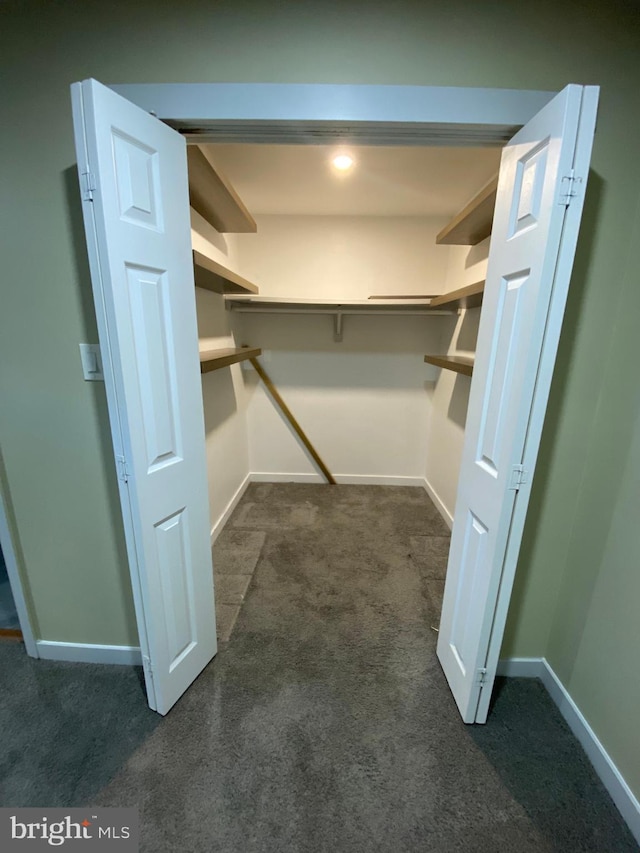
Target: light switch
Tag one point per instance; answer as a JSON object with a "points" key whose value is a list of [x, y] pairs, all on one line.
{"points": [[91, 362]]}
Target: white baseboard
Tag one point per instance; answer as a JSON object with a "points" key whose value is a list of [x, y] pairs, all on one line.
{"points": [[440, 506], [521, 667], [88, 653], [233, 503], [378, 480], [271, 477], [610, 776], [342, 479]]}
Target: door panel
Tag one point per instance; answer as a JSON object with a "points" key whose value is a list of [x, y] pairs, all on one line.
{"points": [[469, 586], [137, 181], [172, 537], [529, 184], [502, 363], [154, 353], [522, 274], [138, 235]]}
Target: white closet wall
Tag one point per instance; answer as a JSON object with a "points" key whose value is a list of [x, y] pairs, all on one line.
{"points": [[374, 410], [361, 401], [343, 257], [223, 391], [449, 392]]}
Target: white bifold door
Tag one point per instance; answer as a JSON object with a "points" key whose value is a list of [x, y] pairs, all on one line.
{"points": [[541, 187], [133, 175]]}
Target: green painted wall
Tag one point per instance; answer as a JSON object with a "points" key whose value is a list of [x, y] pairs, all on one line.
{"points": [[594, 640], [577, 579]]}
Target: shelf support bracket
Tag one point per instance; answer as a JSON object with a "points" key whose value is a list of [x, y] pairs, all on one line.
{"points": [[337, 327]]}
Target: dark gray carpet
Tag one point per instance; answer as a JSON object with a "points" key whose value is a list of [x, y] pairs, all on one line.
{"points": [[65, 728], [235, 557], [326, 724]]}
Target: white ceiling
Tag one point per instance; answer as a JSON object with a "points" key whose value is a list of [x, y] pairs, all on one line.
{"points": [[385, 181]]}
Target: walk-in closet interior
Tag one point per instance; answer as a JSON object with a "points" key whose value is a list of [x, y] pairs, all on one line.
{"points": [[360, 291]]}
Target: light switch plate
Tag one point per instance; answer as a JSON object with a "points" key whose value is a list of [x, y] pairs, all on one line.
{"points": [[91, 362]]}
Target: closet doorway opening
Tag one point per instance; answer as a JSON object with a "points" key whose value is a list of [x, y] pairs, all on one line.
{"points": [[347, 264], [361, 249], [137, 226], [15, 620]]}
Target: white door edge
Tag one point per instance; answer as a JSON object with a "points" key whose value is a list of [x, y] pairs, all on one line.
{"points": [[111, 388], [566, 254]]}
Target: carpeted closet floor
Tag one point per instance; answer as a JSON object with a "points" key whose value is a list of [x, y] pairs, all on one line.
{"points": [[325, 723]]}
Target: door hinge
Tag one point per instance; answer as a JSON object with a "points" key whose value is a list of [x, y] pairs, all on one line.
{"points": [[569, 188], [88, 185], [518, 477], [482, 676], [123, 469]]}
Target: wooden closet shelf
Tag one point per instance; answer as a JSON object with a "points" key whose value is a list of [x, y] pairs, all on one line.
{"points": [[465, 297], [473, 223], [336, 309], [458, 363], [265, 303], [408, 296], [211, 194], [214, 359], [214, 276]]}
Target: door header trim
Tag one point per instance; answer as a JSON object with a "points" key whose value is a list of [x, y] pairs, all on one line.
{"points": [[322, 113]]}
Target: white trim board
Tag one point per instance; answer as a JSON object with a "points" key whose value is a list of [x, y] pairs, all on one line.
{"points": [[216, 530], [439, 504], [610, 776], [257, 111], [341, 479], [89, 653]]}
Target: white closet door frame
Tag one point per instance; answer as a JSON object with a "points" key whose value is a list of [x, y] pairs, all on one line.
{"points": [[284, 112], [15, 581], [375, 114]]}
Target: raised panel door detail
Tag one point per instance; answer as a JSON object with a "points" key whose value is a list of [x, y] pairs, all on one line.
{"points": [[137, 182], [503, 361], [150, 319], [529, 184], [172, 540], [469, 587]]}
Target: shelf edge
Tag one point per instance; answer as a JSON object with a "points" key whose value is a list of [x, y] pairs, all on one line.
{"points": [[215, 359], [219, 278], [464, 297], [213, 196], [458, 363], [474, 222]]}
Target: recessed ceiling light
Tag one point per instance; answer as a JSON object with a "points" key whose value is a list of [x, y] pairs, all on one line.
{"points": [[342, 162]]}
